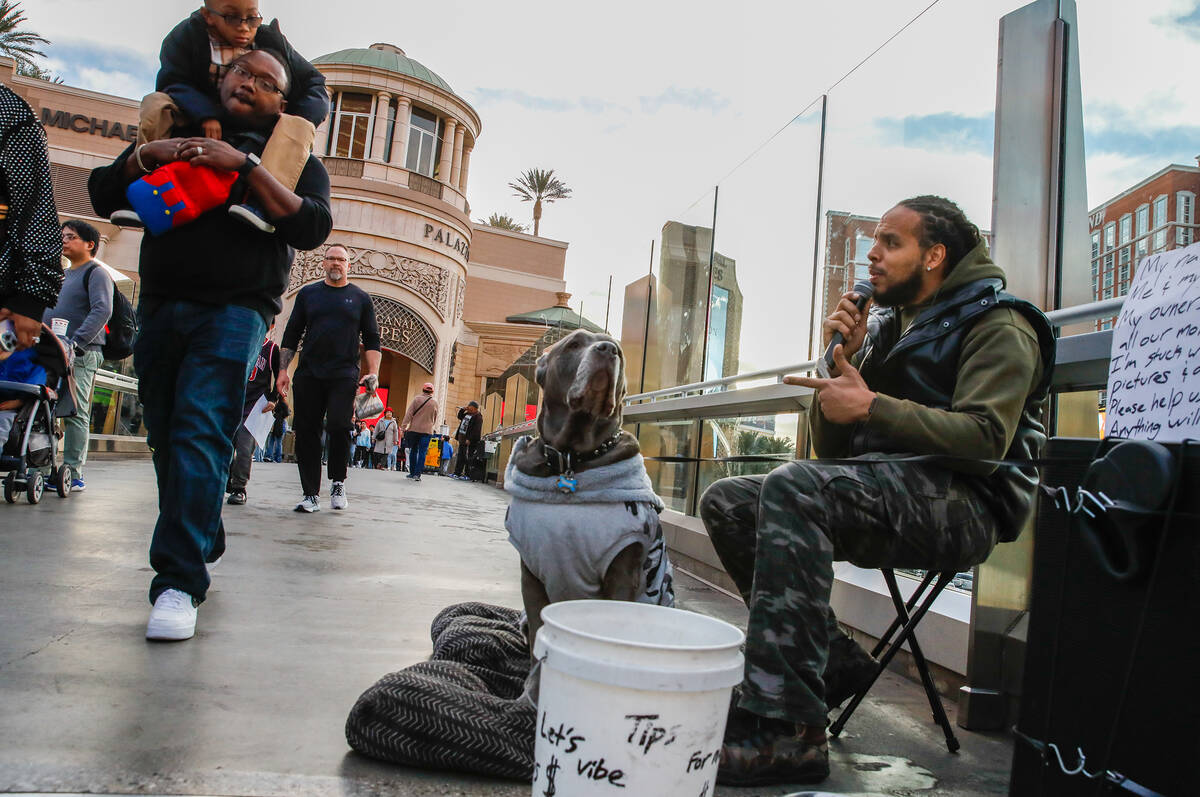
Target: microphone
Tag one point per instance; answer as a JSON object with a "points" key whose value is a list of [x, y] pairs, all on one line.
{"points": [[865, 291]]}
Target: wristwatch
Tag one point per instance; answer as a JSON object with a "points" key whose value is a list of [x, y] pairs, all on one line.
{"points": [[250, 164]]}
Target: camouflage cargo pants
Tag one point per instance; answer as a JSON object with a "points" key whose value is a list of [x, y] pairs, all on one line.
{"points": [[779, 534]]}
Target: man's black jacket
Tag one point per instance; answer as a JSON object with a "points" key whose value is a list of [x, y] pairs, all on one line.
{"points": [[474, 428]]}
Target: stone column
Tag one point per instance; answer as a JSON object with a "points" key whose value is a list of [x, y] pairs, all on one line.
{"points": [[466, 167], [456, 167], [400, 132], [444, 164], [321, 140], [379, 134]]}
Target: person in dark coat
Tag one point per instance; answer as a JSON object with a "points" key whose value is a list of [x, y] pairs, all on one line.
{"points": [[470, 431]]}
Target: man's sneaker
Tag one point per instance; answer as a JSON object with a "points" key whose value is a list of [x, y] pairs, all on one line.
{"points": [[213, 564], [337, 495], [248, 214], [127, 218], [761, 751], [173, 617], [77, 486], [311, 503], [237, 497]]}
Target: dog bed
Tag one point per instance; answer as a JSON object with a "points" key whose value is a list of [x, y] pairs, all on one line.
{"points": [[463, 709]]}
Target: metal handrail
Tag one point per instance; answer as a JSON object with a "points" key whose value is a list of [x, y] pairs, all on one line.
{"points": [[1059, 318]]}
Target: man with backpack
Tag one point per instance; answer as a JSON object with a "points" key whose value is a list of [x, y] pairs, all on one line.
{"points": [[80, 317]]}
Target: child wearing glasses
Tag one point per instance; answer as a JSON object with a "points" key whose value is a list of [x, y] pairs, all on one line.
{"points": [[194, 58]]}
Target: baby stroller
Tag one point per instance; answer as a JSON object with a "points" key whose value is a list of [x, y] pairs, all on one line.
{"points": [[32, 444]]}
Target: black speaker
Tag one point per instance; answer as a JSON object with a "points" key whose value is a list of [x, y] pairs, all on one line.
{"points": [[1112, 663]]}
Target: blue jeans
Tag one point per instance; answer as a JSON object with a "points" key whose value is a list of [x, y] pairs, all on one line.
{"points": [[416, 454], [391, 461], [274, 448], [192, 361]]}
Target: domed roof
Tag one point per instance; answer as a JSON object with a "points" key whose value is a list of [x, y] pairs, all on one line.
{"points": [[387, 57]]}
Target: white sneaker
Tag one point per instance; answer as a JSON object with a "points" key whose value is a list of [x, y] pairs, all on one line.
{"points": [[311, 503], [173, 617], [211, 566], [337, 495]]}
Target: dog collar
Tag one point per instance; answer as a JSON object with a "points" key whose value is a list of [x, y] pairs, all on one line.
{"points": [[564, 462]]}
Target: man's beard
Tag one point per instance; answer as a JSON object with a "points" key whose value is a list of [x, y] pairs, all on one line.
{"points": [[902, 293]]}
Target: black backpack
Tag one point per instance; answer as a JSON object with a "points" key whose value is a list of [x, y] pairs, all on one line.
{"points": [[121, 328]]}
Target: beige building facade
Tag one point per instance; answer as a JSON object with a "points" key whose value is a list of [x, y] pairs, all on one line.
{"points": [[398, 145]]}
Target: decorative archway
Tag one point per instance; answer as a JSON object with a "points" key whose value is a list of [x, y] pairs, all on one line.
{"points": [[403, 331]]}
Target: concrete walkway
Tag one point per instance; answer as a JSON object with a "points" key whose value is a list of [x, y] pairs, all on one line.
{"points": [[306, 612]]}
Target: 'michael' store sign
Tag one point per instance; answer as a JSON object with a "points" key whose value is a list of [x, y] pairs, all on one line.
{"points": [[78, 123]]}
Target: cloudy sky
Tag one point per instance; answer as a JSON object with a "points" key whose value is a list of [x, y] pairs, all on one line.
{"points": [[643, 107]]}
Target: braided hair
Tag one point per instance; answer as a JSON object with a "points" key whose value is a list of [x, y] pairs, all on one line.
{"points": [[943, 222]]}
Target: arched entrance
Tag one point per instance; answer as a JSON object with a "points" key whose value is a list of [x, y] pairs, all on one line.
{"points": [[409, 351]]}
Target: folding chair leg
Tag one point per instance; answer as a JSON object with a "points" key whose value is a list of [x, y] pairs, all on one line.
{"points": [[909, 635], [930, 575], [909, 623]]}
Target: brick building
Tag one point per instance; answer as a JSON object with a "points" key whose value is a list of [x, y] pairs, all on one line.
{"points": [[1156, 215]]}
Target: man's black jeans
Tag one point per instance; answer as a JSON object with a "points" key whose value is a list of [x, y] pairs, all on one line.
{"points": [[466, 453], [327, 402]]}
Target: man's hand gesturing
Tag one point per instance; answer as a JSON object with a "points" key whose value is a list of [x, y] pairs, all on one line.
{"points": [[845, 398]]}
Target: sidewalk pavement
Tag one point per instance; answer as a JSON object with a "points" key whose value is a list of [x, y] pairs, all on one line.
{"points": [[305, 612]]}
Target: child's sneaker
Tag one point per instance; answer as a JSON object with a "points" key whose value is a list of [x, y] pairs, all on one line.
{"points": [[248, 214], [127, 218]]}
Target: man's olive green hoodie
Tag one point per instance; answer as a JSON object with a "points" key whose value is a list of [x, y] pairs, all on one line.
{"points": [[999, 368]]}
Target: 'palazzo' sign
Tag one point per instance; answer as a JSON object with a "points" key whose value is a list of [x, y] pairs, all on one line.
{"points": [[449, 239], [79, 123]]}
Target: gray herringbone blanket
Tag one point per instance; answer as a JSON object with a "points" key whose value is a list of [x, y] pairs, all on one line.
{"points": [[462, 710]]}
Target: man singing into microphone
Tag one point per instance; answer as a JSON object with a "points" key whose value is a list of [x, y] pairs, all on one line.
{"points": [[946, 364]]}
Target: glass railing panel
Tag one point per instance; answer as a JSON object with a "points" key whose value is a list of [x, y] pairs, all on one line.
{"points": [[675, 482], [763, 263], [772, 436]]}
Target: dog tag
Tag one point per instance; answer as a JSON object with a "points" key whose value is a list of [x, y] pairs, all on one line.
{"points": [[567, 484]]}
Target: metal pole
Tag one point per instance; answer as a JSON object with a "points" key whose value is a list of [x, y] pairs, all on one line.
{"points": [[608, 304], [646, 331], [812, 336], [712, 250]]}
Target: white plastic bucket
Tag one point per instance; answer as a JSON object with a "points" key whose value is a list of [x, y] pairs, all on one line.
{"points": [[632, 700]]}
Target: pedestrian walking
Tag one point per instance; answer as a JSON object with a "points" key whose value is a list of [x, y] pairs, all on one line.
{"points": [[445, 456], [31, 270], [331, 317], [469, 435], [274, 451], [418, 424], [387, 432], [208, 290], [83, 309], [262, 383]]}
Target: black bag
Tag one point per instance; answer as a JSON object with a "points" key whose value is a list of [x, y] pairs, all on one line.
{"points": [[381, 432], [121, 328]]}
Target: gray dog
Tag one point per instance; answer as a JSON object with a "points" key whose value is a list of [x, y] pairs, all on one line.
{"points": [[584, 515]]}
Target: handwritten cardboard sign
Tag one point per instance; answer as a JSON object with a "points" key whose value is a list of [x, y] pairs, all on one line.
{"points": [[1154, 373]]}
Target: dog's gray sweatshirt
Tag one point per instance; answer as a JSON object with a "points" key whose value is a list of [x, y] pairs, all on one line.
{"points": [[568, 540]]}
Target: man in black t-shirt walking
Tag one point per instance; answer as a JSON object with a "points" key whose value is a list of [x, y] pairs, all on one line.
{"points": [[330, 316]]}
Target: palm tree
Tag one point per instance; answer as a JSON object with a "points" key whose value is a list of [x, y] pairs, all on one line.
{"points": [[20, 45], [504, 222], [536, 186]]}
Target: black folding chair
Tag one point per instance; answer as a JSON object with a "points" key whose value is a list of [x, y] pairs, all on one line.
{"points": [[906, 621]]}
